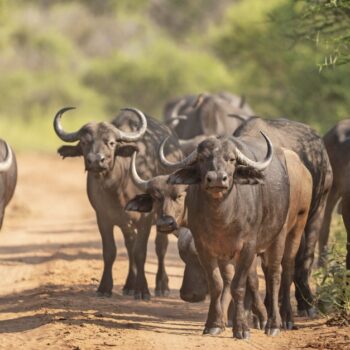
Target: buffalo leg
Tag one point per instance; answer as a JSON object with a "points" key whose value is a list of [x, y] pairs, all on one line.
{"points": [[227, 271], [162, 280], [288, 269], [273, 258], [346, 219], [333, 197], [303, 264], [215, 320], [305, 255], [238, 291], [140, 253], [129, 239], [257, 305], [109, 254]]}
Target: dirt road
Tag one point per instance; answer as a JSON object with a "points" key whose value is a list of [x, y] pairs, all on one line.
{"points": [[50, 265]]}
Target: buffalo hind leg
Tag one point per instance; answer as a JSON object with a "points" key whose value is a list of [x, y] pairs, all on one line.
{"points": [[332, 200], [109, 254], [346, 219], [288, 269], [257, 305], [162, 280], [140, 253]]}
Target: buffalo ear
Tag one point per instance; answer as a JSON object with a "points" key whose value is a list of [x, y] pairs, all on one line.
{"points": [[126, 150], [185, 176], [70, 151], [142, 203], [245, 175]]}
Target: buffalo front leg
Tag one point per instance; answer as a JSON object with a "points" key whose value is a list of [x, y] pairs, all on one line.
{"points": [[129, 239], [109, 254], [162, 280], [215, 320], [238, 291], [227, 271], [140, 253]]}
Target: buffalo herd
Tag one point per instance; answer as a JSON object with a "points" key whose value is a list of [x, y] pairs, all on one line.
{"points": [[238, 191]]}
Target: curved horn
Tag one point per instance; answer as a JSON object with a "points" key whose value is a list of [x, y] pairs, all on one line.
{"points": [[199, 100], [257, 165], [186, 161], [6, 163], [176, 109], [63, 135], [141, 184], [133, 136], [173, 120], [232, 115]]}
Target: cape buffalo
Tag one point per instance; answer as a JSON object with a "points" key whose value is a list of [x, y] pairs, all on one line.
{"points": [[107, 148], [206, 114], [8, 177], [304, 141], [242, 221], [337, 141], [168, 203]]}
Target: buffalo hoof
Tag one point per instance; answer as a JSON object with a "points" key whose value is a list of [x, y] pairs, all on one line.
{"points": [[288, 325], [162, 293], [103, 294], [272, 332], [142, 296], [212, 331], [311, 312], [241, 335], [128, 292]]}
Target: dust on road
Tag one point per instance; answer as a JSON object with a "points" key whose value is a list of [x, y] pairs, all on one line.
{"points": [[50, 265]]}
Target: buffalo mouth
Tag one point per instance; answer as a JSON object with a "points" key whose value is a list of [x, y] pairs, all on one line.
{"points": [[166, 228], [97, 169]]}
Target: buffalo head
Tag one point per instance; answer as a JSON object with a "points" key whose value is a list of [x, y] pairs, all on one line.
{"points": [[165, 199], [99, 143], [217, 164]]}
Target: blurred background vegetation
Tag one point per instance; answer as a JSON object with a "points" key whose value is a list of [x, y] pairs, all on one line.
{"points": [[104, 55]]}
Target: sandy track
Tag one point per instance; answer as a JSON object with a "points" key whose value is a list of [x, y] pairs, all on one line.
{"points": [[50, 265]]}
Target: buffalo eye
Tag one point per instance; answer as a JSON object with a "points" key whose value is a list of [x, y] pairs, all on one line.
{"points": [[112, 143]]}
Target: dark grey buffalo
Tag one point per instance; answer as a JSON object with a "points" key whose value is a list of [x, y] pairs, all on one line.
{"points": [[304, 141], [337, 141], [206, 114], [107, 148], [8, 177], [228, 220], [168, 203]]}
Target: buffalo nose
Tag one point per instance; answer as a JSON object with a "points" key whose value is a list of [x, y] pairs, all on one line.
{"points": [[211, 176], [166, 223]]}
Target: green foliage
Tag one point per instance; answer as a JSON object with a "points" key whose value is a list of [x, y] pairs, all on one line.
{"points": [[279, 76], [326, 24], [333, 280], [104, 55], [333, 284]]}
